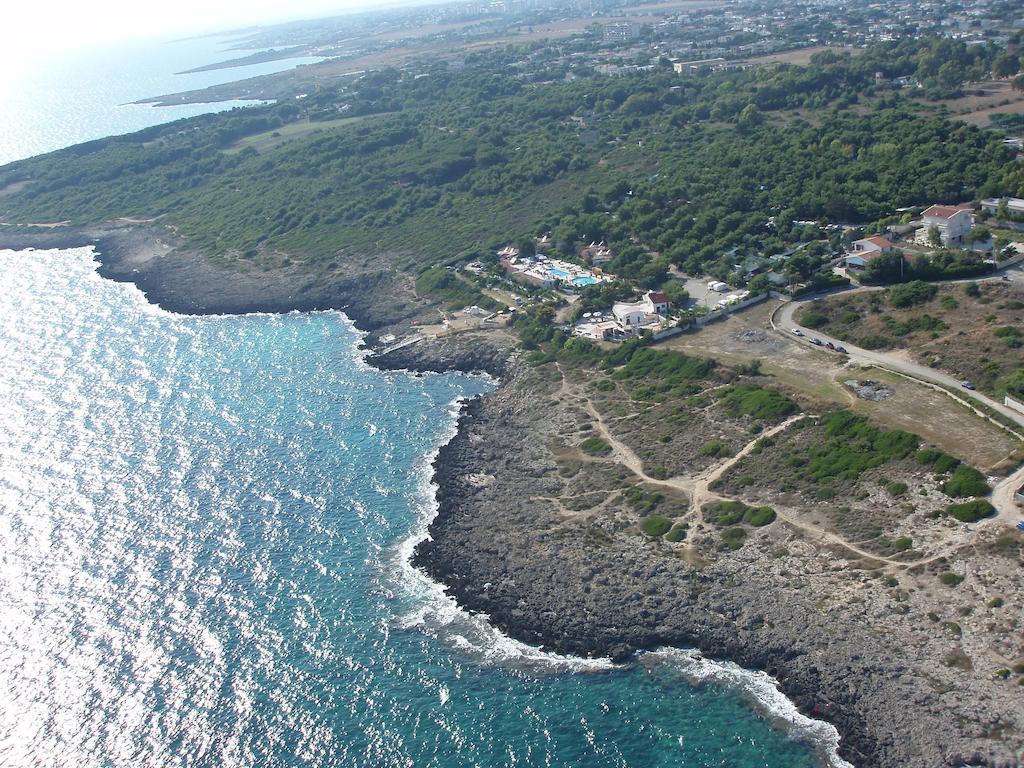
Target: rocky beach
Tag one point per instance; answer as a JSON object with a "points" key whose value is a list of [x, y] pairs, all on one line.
{"points": [[510, 542]]}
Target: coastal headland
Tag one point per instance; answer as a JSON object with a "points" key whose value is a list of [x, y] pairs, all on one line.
{"points": [[545, 533]]}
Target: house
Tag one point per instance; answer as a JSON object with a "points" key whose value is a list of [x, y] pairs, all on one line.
{"points": [[950, 222], [604, 330], [656, 302], [631, 314], [862, 251], [1014, 206]]}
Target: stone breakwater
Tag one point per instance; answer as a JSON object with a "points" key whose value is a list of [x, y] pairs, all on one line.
{"points": [[502, 553]]}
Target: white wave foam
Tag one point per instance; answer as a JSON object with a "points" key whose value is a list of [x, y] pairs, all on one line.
{"points": [[438, 614], [761, 690]]}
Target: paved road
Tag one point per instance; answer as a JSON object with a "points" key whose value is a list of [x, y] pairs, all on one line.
{"points": [[783, 321]]}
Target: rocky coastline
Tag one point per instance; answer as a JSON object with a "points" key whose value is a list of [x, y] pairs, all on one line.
{"points": [[499, 551]]}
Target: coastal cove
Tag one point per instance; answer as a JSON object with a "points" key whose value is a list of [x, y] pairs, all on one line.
{"points": [[426, 677]]}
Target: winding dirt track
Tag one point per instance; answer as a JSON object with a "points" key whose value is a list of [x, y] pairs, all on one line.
{"points": [[698, 490]]}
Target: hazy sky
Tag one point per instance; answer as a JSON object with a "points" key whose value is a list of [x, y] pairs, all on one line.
{"points": [[34, 28]]}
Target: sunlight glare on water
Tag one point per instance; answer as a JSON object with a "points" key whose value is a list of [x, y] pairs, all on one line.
{"points": [[204, 528]]}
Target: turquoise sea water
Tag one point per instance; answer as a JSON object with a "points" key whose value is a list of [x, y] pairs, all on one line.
{"points": [[204, 535]]}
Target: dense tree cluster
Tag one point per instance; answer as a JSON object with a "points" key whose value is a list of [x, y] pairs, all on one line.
{"points": [[699, 170]]}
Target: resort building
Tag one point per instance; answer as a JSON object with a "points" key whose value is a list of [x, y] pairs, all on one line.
{"points": [[649, 312], [596, 253], [543, 272]]}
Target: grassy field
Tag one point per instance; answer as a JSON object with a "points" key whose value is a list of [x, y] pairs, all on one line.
{"points": [[799, 56], [980, 101], [261, 142]]}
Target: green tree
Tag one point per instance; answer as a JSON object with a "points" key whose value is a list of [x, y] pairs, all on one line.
{"points": [[760, 284], [1005, 65], [978, 235], [749, 119], [676, 292]]}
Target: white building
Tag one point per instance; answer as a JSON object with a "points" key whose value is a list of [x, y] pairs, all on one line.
{"points": [[862, 251], [656, 302], [1014, 205], [631, 314], [951, 223], [621, 30]]}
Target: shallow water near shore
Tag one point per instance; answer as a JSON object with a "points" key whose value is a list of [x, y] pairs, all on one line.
{"points": [[205, 526]]}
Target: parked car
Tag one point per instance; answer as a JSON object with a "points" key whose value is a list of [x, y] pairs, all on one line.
{"points": [[966, 385], [816, 341], [1020, 525], [829, 345], [797, 332], [841, 350]]}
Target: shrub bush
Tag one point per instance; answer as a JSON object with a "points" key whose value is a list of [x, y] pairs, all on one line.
{"points": [[715, 448], [971, 511], [965, 482], [642, 501], [814, 319], [759, 516], [950, 579], [902, 544], [896, 488], [751, 400], [725, 513], [678, 533], [655, 526], [732, 538], [595, 446], [912, 293]]}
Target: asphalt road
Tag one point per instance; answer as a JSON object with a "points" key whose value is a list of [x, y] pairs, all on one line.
{"points": [[783, 320]]}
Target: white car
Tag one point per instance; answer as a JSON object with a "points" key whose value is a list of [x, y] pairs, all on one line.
{"points": [[797, 332]]}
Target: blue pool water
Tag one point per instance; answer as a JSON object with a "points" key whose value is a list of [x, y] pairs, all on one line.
{"points": [[205, 526], [584, 281], [559, 273]]}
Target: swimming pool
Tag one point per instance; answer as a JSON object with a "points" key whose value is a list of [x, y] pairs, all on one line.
{"points": [[561, 274], [584, 280]]}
